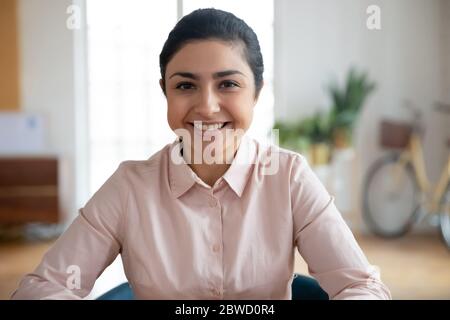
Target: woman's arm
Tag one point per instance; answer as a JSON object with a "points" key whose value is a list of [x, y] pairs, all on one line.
{"points": [[91, 243], [326, 243]]}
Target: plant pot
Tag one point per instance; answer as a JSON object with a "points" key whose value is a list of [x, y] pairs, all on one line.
{"points": [[341, 138], [319, 154]]}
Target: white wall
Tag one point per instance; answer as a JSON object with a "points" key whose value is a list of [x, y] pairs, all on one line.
{"points": [[316, 40], [445, 59], [47, 84], [445, 32]]}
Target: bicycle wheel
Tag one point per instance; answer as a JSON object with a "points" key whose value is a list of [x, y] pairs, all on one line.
{"points": [[390, 203], [444, 217]]}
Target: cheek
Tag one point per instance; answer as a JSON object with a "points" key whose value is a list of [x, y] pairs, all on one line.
{"points": [[171, 120], [176, 111], [242, 111]]}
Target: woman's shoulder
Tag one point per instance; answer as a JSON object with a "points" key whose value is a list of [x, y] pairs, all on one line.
{"points": [[152, 165], [285, 157], [277, 163]]}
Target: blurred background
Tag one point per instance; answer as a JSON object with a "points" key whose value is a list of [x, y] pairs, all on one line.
{"points": [[346, 82]]}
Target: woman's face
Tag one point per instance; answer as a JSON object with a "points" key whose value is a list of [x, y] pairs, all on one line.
{"points": [[210, 91]]}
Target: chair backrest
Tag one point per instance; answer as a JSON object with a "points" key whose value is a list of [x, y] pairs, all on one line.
{"points": [[307, 288], [121, 292], [303, 288]]}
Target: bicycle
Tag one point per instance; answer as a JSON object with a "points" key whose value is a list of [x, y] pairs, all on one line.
{"points": [[397, 192]]}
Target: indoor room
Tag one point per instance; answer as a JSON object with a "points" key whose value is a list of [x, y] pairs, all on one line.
{"points": [[355, 92]]}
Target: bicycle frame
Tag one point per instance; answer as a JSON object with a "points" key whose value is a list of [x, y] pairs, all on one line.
{"points": [[414, 154]]}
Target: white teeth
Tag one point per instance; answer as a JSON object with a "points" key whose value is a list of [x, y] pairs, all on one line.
{"points": [[205, 127]]}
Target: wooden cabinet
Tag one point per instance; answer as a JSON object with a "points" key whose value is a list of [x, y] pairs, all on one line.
{"points": [[28, 190]]}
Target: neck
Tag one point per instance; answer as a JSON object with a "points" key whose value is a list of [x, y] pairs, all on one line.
{"points": [[209, 173]]}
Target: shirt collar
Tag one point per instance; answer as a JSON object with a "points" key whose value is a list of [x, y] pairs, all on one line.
{"points": [[182, 178], [238, 173]]}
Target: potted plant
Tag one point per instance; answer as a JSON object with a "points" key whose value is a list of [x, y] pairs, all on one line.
{"points": [[346, 104], [317, 134], [310, 136], [290, 136], [318, 129]]}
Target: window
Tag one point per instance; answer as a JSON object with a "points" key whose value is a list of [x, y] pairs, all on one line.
{"points": [[127, 110]]}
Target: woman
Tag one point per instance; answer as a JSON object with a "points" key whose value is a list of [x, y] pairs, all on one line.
{"points": [[204, 218]]}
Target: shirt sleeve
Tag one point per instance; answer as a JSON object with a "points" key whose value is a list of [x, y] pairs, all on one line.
{"points": [[71, 266], [326, 243]]}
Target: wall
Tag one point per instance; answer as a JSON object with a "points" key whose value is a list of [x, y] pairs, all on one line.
{"points": [[47, 84], [445, 57], [9, 64], [318, 40]]}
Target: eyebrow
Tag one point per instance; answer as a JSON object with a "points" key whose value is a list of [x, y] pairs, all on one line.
{"points": [[216, 75]]}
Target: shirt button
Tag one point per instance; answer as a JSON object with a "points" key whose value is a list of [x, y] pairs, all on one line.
{"points": [[216, 248], [212, 203], [216, 292]]}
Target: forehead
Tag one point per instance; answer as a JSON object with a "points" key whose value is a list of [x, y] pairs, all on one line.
{"points": [[209, 56]]}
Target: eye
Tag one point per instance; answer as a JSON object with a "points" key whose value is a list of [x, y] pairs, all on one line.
{"points": [[228, 84], [185, 86]]}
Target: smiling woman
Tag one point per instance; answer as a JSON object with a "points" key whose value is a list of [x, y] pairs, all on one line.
{"points": [[212, 78], [209, 230]]}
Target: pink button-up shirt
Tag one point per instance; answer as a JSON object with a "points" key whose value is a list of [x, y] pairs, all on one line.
{"points": [[182, 239]]}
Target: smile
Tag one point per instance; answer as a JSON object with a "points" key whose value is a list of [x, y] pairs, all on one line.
{"points": [[208, 127]]}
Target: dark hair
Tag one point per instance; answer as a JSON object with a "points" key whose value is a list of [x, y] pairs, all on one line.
{"points": [[210, 23]]}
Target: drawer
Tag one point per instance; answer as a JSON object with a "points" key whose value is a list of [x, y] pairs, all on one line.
{"points": [[28, 190]]}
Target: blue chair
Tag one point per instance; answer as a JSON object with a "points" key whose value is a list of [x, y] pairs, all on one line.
{"points": [[121, 292], [307, 288], [303, 288]]}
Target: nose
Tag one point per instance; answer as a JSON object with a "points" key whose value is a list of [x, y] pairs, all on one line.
{"points": [[208, 103]]}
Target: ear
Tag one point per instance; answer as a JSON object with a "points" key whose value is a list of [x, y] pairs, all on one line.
{"points": [[259, 92], [162, 85]]}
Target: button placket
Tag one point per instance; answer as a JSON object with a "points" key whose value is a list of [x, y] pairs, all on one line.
{"points": [[215, 246], [216, 242], [212, 202], [216, 292]]}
